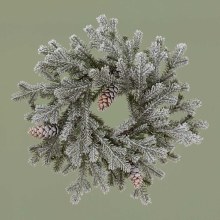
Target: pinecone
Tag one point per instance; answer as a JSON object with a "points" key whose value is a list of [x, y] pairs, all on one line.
{"points": [[107, 97], [136, 176], [43, 131]]}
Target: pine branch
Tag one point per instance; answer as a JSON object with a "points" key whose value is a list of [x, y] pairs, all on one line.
{"points": [[80, 186], [100, 177], [151, 170], [114, 155], [45, 113], [85, 129], [142, 194]]}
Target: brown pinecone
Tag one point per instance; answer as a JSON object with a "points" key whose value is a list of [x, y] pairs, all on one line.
{"points": [[107, 97], [136, 176], [43, 131]]}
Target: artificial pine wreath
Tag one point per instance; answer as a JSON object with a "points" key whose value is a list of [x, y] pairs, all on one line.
{"points": [[75, 138]]}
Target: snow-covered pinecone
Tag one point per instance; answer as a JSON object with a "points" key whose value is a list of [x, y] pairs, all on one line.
{"points": [[43, 131], [136, 176], [107, 97]]}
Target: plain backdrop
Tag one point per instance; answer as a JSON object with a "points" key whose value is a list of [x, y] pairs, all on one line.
{"points": [[190, 189]]}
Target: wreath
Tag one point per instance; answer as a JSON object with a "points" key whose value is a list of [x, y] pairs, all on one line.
{"points": [[74, 138]]}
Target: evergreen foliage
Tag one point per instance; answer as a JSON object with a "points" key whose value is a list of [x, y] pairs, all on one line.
{"points": [[83, 141]]}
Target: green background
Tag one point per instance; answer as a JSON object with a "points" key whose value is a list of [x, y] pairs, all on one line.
{"points": [[190, 189]]}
